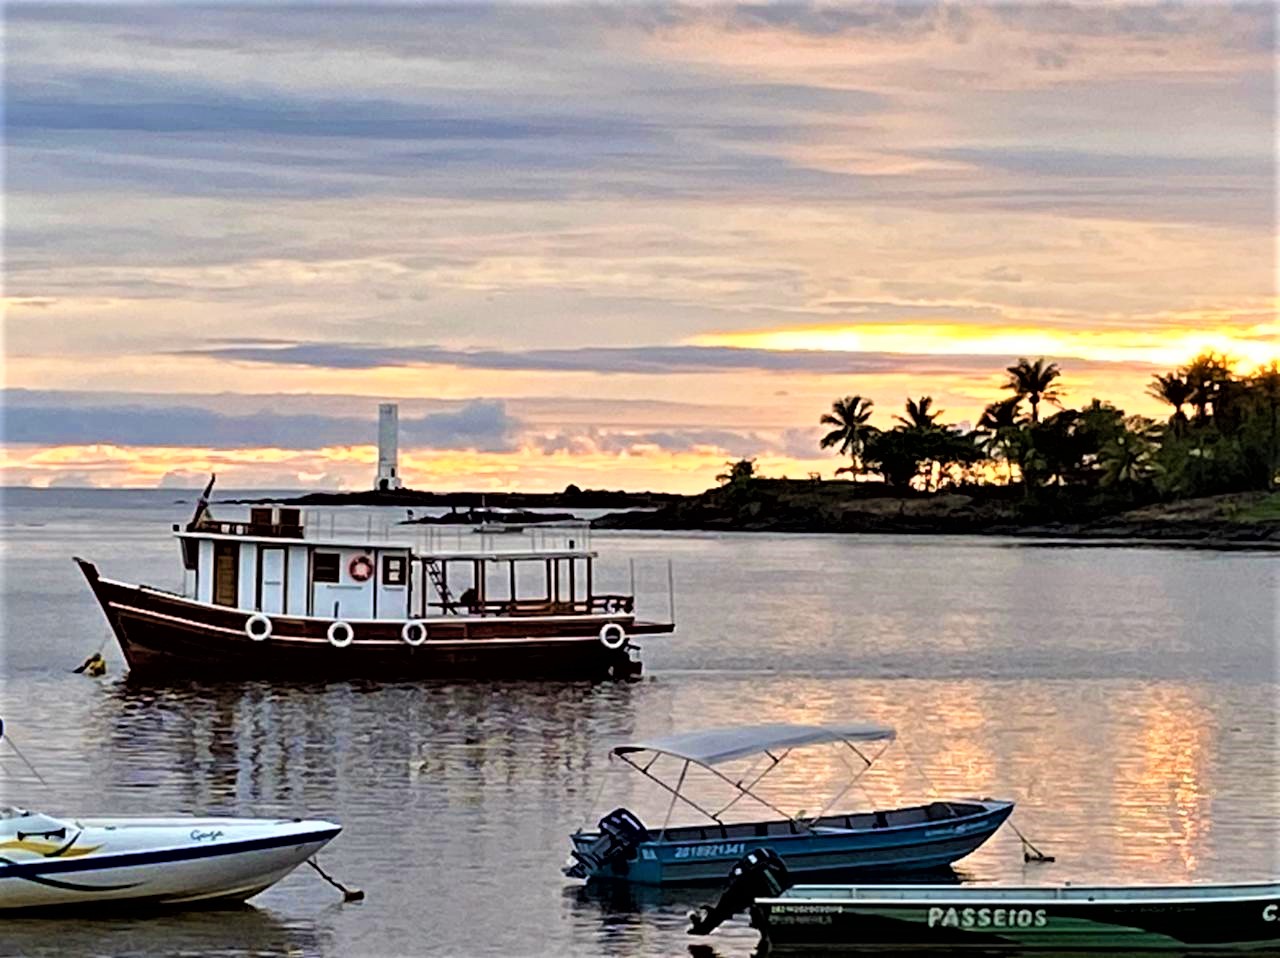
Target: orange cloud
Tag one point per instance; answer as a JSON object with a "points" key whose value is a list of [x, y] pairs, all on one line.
{"points": [[1253, 346]]}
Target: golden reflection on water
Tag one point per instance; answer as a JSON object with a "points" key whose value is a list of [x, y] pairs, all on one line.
{"points": [[466, 794], [1118, 778], [1166, 805]]}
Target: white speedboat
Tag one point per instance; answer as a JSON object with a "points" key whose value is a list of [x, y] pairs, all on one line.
{"points": [[47, 861]]}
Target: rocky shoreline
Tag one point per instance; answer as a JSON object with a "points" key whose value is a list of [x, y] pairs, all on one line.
{"points": [[1222, 522]]}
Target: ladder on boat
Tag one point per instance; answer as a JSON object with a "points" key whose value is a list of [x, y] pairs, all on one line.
{"points": [[436, 574]]}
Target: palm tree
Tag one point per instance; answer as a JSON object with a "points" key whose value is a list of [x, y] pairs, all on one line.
{"points": [[1209, 378], [918, 414], [849, 417], [999, 427], [1034, 382], [1175, 390], [1126, 458]]}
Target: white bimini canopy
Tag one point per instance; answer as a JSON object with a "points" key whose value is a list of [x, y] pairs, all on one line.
{"points": [[715, 745]]}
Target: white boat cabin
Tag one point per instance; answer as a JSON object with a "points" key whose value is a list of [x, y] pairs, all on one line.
{"points": [[272, 564]]}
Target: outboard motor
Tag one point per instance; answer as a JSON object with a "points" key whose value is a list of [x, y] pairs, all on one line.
{"points": [[620, 833], [760, 873]]}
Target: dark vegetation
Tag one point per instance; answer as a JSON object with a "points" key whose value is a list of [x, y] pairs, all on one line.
{"points": [[1208, 471]]}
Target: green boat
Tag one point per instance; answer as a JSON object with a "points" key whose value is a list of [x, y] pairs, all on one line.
{"points": [[1112, 919]]}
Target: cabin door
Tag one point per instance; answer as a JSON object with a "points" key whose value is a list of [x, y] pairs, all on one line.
{"points": [[226, 572], [271, 594]]}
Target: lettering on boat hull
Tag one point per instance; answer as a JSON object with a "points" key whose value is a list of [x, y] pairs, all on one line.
{"points": [[719, 850], [987, 918]]}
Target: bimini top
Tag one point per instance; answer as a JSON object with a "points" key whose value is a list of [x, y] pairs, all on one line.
{"points": [[714, 745]]}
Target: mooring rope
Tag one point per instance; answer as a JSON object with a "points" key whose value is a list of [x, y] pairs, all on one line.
{"points": [[348, 894], [1029, 851]]}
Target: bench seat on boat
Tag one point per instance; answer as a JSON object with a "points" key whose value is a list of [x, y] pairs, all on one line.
{"points": [[858, 821]]}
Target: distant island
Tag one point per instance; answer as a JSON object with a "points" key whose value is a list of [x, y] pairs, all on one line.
{"points": [[1207, 475], [571, 498]]}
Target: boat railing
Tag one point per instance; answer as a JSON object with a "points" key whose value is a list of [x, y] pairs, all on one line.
{"points": [[597, 605], [376, 525], [431, 539], [275, 530]]}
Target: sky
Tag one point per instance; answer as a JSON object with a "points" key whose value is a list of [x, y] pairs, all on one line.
{"points": [[615, 244]]}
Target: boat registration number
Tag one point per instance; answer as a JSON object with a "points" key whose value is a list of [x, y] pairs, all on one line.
{"points": [[719, 850], [987, 918]]}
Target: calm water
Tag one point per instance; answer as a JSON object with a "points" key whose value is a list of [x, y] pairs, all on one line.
{"points": [[1126, 697]]}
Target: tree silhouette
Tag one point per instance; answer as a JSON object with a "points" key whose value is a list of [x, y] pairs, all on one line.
{"points": [[998, 431], [919, 415], [740, 473], [849, 417], [1175, 390], [1034, 382]]}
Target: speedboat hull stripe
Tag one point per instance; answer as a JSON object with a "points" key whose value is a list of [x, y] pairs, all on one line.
{"points": [[66, 885]]}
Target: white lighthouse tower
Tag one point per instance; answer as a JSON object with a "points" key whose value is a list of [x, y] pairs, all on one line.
{"points": [[388, 446]]}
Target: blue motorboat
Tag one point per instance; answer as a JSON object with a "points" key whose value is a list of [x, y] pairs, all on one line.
{"points": [[914, 838]]}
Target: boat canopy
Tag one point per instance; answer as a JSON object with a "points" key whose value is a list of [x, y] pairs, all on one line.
{"points": [[715, 745]]}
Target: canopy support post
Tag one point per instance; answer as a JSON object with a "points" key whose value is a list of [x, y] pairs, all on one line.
{"points": [[688, 801], [674, 795], [671, 593], [746, 790]]}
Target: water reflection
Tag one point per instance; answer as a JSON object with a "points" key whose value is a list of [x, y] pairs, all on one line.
{"points": [[462, 796], [211, 932], [234, 748]]}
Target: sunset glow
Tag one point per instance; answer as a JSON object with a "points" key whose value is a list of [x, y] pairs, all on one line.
{"points": [[1251, 346], [613, 246]]}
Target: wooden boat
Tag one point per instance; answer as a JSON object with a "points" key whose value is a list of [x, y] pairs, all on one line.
{"points": [[1111, 919], [274, 596], [919, 837], [48, 862]]}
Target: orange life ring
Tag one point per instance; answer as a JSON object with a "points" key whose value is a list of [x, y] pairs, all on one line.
{"points": [[360, 568]]}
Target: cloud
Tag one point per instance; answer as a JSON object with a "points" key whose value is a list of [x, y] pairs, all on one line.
{"points": [[591, 441], [51, 419], [483, 425], [635, 360], [480, 424]]}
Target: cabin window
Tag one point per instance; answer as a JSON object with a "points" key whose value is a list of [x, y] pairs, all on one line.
{"points": [[190, 554], [393, 570], [325, 567], [291, 523]]}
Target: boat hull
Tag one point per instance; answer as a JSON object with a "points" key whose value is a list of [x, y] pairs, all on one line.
{"points": [[924, 846], [942, 919], [166, 635], [152, 861]]}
